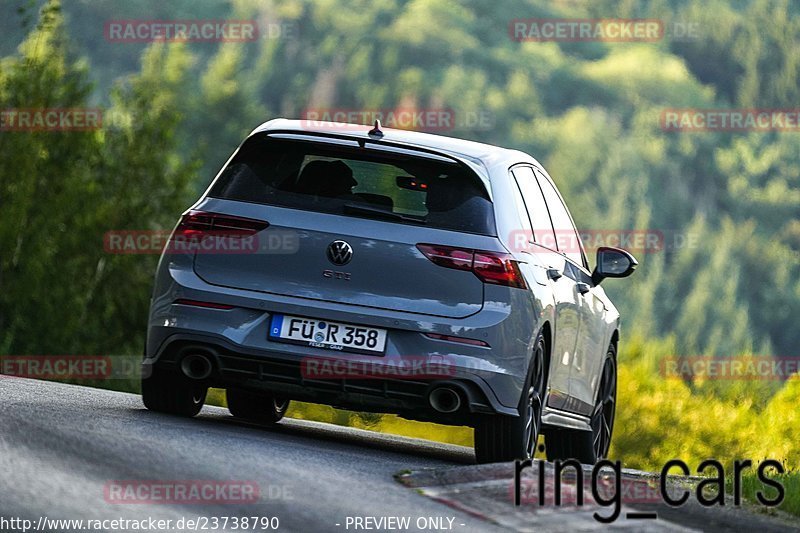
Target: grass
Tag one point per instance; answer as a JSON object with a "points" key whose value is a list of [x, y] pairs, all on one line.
{"points": [[751, 485], [392, 424]]}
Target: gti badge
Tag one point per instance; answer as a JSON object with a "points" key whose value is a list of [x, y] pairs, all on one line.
{"points": [[339, 253]]}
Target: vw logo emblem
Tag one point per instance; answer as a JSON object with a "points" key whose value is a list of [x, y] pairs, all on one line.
{"points": [[339, 253]]}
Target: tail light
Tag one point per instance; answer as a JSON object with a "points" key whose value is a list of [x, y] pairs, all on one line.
{"points": [[198, 223], [497, 268], [202, 232]]}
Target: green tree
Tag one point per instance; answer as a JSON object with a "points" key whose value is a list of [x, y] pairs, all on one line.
{"points": [[61, 192]]}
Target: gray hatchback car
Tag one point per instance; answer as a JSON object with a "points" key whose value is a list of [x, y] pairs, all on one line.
{"points": [[389, 271]]}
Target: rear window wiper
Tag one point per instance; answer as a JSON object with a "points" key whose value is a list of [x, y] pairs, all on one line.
{"points": [[377, 212]]}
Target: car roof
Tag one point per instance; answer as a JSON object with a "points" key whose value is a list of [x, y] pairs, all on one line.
{"points": [[487, 154]]}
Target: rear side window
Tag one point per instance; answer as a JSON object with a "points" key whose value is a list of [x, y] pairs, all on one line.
{"points": [[359, 182], [569, 242], [537, 209]]}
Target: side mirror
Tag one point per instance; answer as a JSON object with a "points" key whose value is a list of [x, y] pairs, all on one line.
{"points": [[613, 263]]}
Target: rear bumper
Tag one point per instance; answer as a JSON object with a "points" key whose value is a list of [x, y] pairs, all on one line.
{"points": [[280, 373], [244, 356]]}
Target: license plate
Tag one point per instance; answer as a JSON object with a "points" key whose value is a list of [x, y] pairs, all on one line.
{"points": [[326, 334]]}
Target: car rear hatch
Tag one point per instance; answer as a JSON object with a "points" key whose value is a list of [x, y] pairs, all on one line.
{"points": [[343, 221]]}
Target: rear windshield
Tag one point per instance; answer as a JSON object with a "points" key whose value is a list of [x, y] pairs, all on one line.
{"points": [[359, 182]]}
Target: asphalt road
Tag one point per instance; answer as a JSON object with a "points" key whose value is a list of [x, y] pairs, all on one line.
{"points": [[62, 445], [75, 453]]}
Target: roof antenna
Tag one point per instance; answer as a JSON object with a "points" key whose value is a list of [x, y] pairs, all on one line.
{"points": [[376, 131]]}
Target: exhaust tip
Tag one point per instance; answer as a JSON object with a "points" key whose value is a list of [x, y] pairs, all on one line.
{"points": [[445, 399], [196, 366]]}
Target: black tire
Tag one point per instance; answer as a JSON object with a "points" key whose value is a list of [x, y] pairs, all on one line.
{"points": [[588, 447], [169, 392], [261, 408], [500, 438]]}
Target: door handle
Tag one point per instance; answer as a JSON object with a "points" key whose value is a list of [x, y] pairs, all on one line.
{"points": [[553, 273], [583, 288]]}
